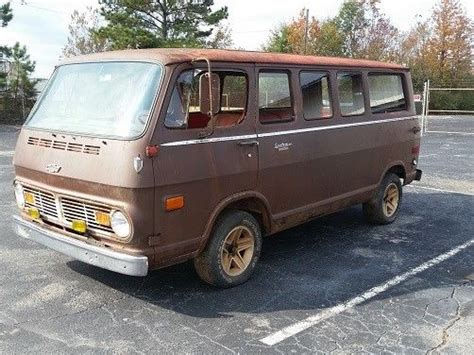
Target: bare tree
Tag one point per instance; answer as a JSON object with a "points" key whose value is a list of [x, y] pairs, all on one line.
{"points": [[82, 38]]}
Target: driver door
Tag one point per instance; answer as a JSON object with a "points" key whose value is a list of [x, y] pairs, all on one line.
{"points": [[202, 172]]}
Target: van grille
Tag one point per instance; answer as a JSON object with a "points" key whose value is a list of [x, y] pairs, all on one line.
{"points": [[62, 210], [59, 145], [62, 145], [44, 201], [76, 209]]}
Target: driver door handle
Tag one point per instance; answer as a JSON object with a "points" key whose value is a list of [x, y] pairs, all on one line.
{"points": [[252, 142], [416, 129]]}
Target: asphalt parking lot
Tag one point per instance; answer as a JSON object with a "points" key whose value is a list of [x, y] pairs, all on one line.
{"points": [[332, 285]]}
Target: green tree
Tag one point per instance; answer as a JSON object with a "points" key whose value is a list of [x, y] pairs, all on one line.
{"points": [[82, 37], [159, 23], [330, 41], [366, 32], [359, 30], [351, 22], [4, 68], [22, 87], [6, 14], [278, 40], [18, 89]]}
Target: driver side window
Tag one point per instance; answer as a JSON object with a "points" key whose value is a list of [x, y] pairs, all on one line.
{"points": [[184, 111]]}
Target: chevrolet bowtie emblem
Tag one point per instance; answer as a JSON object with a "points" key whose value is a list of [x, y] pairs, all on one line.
{"points": [[53, 168]]}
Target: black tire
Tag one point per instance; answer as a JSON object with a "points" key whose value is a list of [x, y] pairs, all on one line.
{"points": [[213, 265], [379, 210]]}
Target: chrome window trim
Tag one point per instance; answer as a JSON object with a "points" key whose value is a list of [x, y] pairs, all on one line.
{"points": [[281, 133]]}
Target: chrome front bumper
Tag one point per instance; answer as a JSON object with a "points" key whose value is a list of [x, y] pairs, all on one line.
{"points": [[134, 265]]}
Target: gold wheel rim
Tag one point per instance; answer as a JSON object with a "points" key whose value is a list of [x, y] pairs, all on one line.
{"points": [[237, 251], [391, 198]]}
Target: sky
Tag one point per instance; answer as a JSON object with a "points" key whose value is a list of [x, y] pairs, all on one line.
{"points": [[42, 25]]}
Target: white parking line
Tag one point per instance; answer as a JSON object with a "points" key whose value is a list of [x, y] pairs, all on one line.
{"points": [[7, 153], [452, 132], [298, 327], [440, 190]]}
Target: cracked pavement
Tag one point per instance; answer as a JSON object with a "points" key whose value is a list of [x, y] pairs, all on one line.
{"points": [[52, 303]]}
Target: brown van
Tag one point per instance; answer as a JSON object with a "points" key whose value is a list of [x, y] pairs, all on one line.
{"points": [[135, 160]]}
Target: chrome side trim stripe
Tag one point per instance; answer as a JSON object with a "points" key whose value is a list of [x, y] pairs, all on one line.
{"points": [[313, 129], [281, 133], [208, 140]]}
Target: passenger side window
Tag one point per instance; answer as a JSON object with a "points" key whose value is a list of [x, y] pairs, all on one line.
{"points": [[274, 97], [184, 110], [351, 94], [234, 93], [316, 95], [386, 93]]}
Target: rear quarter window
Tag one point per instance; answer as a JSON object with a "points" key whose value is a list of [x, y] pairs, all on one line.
{"points": [[386, 93]]}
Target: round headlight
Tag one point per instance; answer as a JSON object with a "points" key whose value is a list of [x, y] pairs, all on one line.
{"points": [[20, 198], [120, 225]]}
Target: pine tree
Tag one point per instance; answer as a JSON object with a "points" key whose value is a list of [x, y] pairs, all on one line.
{"points": [[159, 23]]}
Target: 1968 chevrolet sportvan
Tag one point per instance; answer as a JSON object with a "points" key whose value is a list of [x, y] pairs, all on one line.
{"points": [[135, 160]]}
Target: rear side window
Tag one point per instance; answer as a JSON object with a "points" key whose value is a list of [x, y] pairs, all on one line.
{"points": [[351, 94], [386, 93], [316, 96], [274, 97]]}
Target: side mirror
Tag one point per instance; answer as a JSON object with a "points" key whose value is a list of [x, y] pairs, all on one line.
{"points": [[209, 93]]}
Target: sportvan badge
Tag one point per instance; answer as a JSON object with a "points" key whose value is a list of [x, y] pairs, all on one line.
{"points": [[53, 168], [282, 146]]}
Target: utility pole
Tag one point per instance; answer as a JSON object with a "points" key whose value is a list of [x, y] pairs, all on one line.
{"points": [[23, 110], [306, 25]]}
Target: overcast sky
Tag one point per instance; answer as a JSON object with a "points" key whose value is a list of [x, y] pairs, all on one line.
{"points": [[42, 24]]}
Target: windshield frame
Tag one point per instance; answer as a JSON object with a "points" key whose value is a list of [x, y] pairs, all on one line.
{"points": [[111, 137]]}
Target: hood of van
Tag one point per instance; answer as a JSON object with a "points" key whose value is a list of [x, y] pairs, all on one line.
{"points": [[46, 157]]}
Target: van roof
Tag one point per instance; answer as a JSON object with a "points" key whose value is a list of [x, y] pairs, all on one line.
{"points": [[179, 55]]}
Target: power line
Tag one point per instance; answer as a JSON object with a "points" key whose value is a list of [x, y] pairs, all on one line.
{"points": [[25, 3]]}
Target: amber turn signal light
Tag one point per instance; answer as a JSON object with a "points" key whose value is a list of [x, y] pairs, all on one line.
{"points": [[174, 203], [33, 212], [29, 198], [79, 225], [102, 218]]}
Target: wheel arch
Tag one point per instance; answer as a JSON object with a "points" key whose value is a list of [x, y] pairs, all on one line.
{"points": [[396, 167], [251, 202]]}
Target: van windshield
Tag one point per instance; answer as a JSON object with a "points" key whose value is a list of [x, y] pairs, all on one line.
{"points": [[100, 99]]}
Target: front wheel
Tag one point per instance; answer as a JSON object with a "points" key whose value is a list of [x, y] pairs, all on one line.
{"points": [[384, 208], [232, 251]]}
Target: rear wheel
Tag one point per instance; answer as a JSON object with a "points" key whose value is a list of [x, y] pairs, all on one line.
{"points": [[232, 250], [384, 208]]}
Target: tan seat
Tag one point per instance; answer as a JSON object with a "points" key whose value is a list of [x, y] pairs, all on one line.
{"points": [[228, 119]]}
